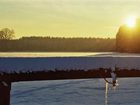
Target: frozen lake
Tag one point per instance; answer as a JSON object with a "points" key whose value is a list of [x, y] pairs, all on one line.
{"points": [[76, 92]]}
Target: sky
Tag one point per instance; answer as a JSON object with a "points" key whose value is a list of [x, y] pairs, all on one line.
{"points": [[66, 18]]}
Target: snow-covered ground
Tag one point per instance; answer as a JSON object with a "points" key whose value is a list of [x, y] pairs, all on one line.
{"points": [[71, 92], [76, 92], [74, 61]]}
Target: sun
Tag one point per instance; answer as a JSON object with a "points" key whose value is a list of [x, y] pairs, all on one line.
{"points": [[131, 21]]}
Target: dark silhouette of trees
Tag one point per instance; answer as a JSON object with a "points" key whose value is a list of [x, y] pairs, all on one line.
{"points": [[6, 34], [54, 44], [128, 39]]}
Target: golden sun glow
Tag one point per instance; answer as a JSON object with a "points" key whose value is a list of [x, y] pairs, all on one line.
{"points": [[131, 21]]}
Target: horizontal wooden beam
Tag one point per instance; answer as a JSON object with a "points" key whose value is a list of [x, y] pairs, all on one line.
{"points": [[61, 74]]}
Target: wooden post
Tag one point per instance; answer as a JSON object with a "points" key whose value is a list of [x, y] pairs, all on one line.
{"points": [[5, 88]]}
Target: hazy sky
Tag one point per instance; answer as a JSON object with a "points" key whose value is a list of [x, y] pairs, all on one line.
{"points": [[69, 18]]}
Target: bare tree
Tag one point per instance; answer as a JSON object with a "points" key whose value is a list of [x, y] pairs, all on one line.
{"points": [[6, 34]]}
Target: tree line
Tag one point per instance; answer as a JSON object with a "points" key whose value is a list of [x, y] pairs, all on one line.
{"points": [[50, 44], [54, 44]]}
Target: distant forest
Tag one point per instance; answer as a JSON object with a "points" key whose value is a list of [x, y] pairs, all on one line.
{"points": [[52, 44]]}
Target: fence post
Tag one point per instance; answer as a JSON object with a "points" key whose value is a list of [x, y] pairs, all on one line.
{"points": [[5, 87]]}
